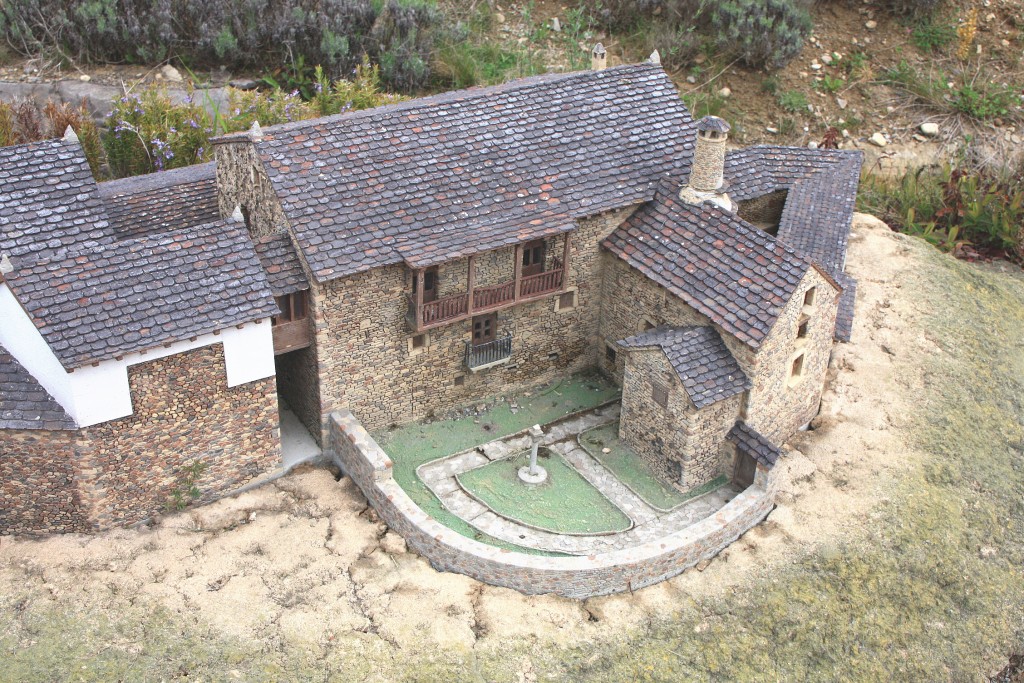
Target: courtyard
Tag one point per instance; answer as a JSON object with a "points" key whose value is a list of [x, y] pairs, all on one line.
{"points": [[598, 496]]}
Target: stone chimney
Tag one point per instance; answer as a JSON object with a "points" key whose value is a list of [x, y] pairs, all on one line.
{"points": [[706, 183], [598, 58]]}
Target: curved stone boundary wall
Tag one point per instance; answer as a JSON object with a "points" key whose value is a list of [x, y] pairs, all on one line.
{"points": [[575, 577]]}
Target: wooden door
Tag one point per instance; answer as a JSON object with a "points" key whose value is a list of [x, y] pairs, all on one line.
{"points": [[533, 258], [485, 328], [746, 468], [429, 285]]}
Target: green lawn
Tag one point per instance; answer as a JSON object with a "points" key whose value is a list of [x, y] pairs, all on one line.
{"points": [[412, 445], [565, 503], [634, 472]]}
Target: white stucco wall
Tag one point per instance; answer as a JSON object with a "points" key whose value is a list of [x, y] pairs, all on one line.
{"points": [[95, 394]]}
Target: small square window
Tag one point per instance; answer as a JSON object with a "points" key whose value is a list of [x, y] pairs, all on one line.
{"points": [[660, 394], [460, 380], [801, 331], [809, 296], [609, 353], [797, 370], [566, 300], [419, 341]]}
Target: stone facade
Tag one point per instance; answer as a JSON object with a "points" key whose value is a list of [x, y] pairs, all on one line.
{"points": [[681, 443], [366, 363], [126, 470], [574, 577], [242, 181], [38, 492]]}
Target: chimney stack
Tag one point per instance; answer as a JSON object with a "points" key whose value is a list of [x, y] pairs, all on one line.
{"points": [[598, 58], [706, 181]]}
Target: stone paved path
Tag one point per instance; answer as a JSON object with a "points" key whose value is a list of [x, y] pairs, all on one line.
{"points": [[648, 523]]}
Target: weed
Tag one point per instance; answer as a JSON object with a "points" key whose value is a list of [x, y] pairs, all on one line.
{"points": [[829, 83], [187, 491], [857, 66], [770, 85], [793, 101], [932, 37], [787, 126], [702, 103], [23, 122], [978, 97]]}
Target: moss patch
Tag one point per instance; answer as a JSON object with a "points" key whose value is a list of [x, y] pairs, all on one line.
{"points": [[412, 445], [564, 503]]}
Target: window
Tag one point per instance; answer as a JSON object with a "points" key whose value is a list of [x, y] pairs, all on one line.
{"points": [[292, 307], [460, 380], [796, 371], [609, 353], [801, 331], [809, 296], [533, 257], [648, 325], [566, 301], [660, 394], [485, 329], [419, 343]]}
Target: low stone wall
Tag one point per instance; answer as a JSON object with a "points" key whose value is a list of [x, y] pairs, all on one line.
{"points": [[575, 577]]}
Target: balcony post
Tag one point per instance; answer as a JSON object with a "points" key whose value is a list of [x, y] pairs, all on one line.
{"points": [[471, 282], [518, 272], [419, 299], [565, 261]]}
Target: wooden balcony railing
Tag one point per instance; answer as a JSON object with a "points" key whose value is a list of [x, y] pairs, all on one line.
{"points": [[541, 283], [486, 298], [292, 335], [444, 309]]}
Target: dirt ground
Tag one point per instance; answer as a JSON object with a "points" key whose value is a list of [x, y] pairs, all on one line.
{"points": [[298, 579]]}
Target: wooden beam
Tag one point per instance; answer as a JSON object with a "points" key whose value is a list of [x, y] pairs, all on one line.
{"points": [[419, 299], [471, 283], [518, 271], [565, 261]]}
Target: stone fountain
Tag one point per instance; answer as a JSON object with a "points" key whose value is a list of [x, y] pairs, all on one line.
{"points": [[534, 473]]}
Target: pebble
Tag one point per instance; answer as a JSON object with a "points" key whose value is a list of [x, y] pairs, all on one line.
{"points": [[243, 84], [812, 145], [1016, 139], [85, 77], [170, 73], [919, 137], [929, 128], [724, 92], [846, 133], [826, 59], [815, 66], [556, 25], [990, 17], [841, 102], [878, 140], [871, 25], [500, 18], [691, 80], [771, 130]]}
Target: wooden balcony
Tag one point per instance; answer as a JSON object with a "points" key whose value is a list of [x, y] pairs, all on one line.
{"points": [[485, 300], [289, 336], [424, 315]]}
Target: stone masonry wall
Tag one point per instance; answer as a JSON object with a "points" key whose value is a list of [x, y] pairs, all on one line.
{"points": [[574, 577], [683, 444], [765, 211], [366, 363], [298, 386], [184, 411], [630, 302], [242, 181], [776, 407], [38, 487], [658, 434]]}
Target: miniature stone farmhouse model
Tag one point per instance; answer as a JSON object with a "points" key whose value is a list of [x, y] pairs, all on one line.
{"points": [[385, 266]]}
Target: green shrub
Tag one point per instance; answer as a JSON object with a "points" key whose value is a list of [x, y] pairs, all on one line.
{"points": [[911, 8], [793, 101], [829, 83], [932, 37], [148, 132], [979, 97], [761, 33]]}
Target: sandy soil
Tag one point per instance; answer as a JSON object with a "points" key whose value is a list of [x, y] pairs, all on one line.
{"points": [[303, 562]]}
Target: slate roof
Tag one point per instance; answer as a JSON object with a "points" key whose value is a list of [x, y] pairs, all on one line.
{"points": [[48, 200], [372, 188], [158, 202], [821, 195], [736, 275], [281, 262], [24, 404], [136, 294], [700, 358], [751, 441]]}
